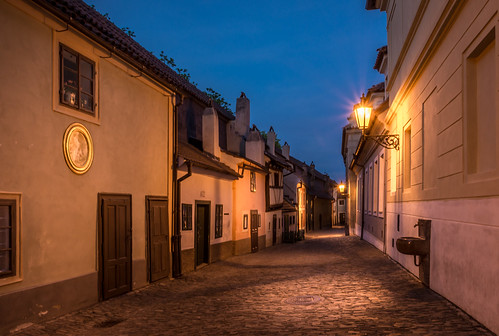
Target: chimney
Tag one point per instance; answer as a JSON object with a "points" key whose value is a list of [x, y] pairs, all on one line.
{"points": [[255, 146], [285, 150], [210, 132], [242, 115], [271, 140]]}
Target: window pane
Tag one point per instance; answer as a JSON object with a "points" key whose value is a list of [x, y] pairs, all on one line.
{"points": [[70, 96], [70, 60], [70, 78], [4, 216], [5, 258], [5, 242], [87, 102], [86, 69], [86, 85]]}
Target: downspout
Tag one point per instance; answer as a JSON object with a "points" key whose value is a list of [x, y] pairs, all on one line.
{"points": [[176, 261]]}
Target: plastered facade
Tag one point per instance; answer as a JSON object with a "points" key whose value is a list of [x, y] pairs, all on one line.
{"points": [[442, 84], [131, 133]]}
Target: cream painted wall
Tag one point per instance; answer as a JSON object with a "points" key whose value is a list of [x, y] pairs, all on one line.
{"points": [[464, 251], [269, 218], [245, 201], [203, 186], [429, 92], [59, 208]]}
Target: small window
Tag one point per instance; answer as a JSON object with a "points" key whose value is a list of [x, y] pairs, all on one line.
{"points": [[245, 222], [8, 248], [342, 202], [77, 88], [219, 219], [277, 181], [186, 216], [252, 181]]}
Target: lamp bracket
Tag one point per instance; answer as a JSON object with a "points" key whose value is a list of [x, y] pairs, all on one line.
{"points": [[389, 141]]}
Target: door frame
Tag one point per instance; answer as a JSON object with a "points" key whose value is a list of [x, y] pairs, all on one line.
{"points": [[100, 250], [148, 234], [208, 249]]}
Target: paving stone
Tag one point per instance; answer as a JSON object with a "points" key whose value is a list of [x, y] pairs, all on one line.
{"points": [[324, 285]]}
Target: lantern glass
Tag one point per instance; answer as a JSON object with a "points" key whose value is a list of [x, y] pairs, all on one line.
{"points": [[341, 187], [363, 116]]}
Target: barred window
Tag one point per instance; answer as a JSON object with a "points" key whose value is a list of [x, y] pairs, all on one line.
{"points": [[186, 216], [219, 219]]}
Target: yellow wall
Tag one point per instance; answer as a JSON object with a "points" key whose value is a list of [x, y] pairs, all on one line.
{"points": [[131, 142]]}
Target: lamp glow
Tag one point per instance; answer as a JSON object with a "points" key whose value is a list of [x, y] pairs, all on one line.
{"points": [[341, 187], [362, 114]]}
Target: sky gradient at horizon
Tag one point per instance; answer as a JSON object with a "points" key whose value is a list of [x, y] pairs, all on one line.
{"points": [[302, 64]]}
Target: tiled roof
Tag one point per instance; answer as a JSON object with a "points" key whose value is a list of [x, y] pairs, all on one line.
{"points": [[380, 87], [90, 22], [203, 160], [381, 53]]}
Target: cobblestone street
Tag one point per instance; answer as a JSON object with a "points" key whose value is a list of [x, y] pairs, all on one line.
{"points": [[326, 285]]}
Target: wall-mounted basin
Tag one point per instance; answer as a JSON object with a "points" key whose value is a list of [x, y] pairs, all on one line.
{"points": [[413, 245]]}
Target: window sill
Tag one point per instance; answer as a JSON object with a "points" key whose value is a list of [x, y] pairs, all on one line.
{"points": [[10, 280], [77, 114]]}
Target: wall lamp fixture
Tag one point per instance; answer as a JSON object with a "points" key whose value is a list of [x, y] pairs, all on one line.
{"points": [[363, 116]]}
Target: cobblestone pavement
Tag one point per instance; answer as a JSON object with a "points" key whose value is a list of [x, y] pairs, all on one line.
{"points": [[325, 285]]}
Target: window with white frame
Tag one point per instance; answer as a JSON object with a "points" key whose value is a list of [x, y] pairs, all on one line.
{"points": [[366, 190], [381, 194]]}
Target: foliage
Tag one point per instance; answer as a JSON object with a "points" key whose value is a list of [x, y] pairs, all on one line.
{"points": [[163, 57], [277, 141], [128, 31], [217, 97]]}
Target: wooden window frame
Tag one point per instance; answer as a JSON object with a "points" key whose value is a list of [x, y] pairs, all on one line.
{"points": [[252, 181], [219, 220], [186, 217], [13, 212], [79, 75]]}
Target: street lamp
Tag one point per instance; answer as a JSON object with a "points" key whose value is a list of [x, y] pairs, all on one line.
{"points": [[341, 187], [363, 116]]}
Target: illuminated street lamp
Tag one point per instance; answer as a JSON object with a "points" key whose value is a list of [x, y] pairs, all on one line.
{"points": [[363, 117], [341, 187]]}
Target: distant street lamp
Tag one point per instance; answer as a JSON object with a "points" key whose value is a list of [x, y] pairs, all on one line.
{"points": [[363, 117]]}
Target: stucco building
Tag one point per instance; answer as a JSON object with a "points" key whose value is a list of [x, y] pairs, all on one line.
{"points": [[442, 94]]}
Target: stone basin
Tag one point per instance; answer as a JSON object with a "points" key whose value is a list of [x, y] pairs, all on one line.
{"points": [[413, 245]]}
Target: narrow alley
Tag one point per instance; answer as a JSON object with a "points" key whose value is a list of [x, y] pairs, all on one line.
{"points": [[328, 284]]}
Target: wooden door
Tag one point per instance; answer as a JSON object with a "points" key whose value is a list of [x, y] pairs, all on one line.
{"points": [[202, 233], [274, 229], [116, 245], [159, 241], [254, 230]]}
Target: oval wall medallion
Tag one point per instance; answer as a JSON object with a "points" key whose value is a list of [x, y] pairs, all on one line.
{"points": [[78, 148]]}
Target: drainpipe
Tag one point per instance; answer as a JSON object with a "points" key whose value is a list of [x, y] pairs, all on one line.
{"points": [[176, 261]]}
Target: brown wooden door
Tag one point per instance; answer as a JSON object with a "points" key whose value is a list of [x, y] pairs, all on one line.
{"points": [[202, 233], [254, 230], [159, 241], [116, 245]]}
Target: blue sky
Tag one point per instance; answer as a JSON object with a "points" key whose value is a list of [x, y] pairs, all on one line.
{"points": [[302, 64]]}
